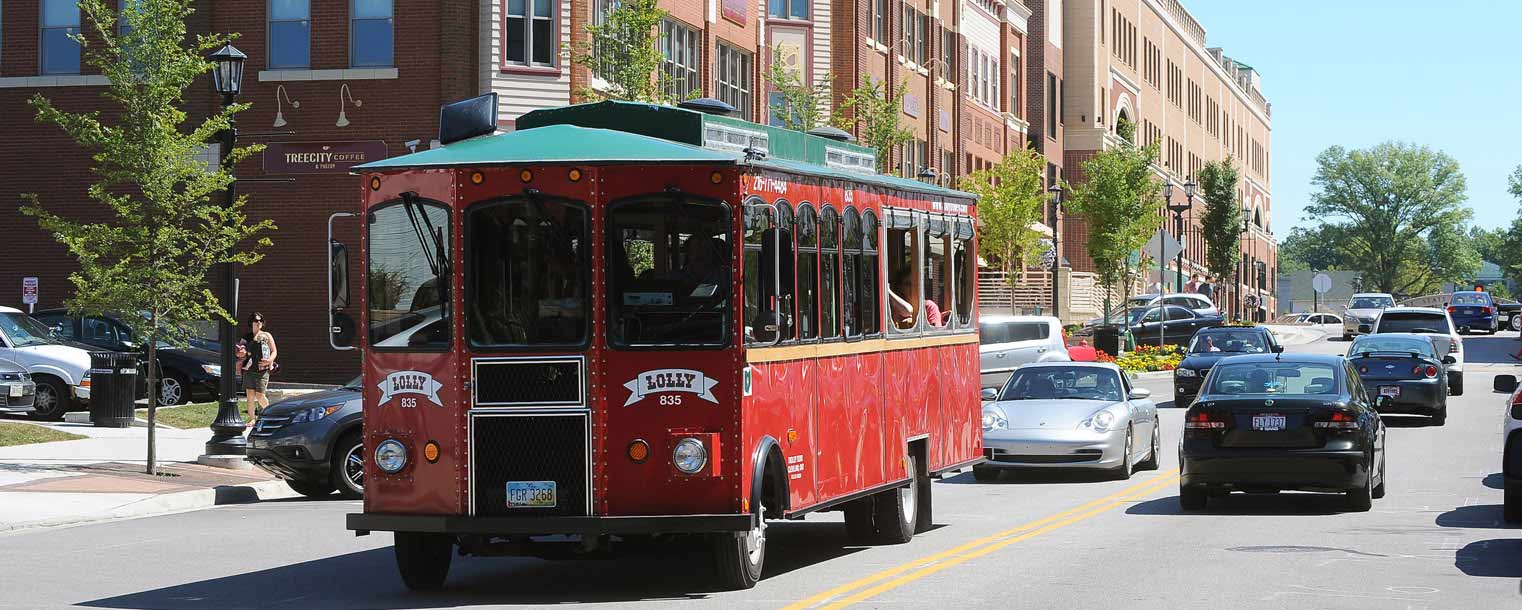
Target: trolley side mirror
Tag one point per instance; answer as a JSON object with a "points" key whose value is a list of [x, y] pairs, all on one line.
{"points": [[341, 327]]}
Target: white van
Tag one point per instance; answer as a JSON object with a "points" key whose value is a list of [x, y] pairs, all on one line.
{"points": [[62, 372], [1006, 342]]}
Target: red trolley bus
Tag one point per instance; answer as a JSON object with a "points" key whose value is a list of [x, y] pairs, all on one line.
{"points": [[628, 322]]}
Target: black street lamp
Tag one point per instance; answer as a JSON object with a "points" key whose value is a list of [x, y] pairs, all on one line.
{"points": [[1178, 223], [1247, 269], [227, 430], [1162, 266], [1055, 191]]}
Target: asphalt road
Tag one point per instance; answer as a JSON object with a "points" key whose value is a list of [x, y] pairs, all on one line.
{"points": [[1053, 541]]}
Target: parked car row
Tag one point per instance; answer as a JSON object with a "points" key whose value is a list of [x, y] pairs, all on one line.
{"points": [[1511, 453]]}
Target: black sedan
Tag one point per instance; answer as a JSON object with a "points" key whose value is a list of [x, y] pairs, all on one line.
{"points": [[1273, 422], [186, 374], [1208, 347], [1406, 370], [1173, 324]]}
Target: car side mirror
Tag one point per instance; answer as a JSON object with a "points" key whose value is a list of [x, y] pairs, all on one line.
{"points": [[1506, 383], [989, 394], [1278, 349], [1140, 393], [1452, 360]]}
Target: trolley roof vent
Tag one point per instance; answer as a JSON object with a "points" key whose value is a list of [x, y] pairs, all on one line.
{"points": [[838, 135], [707, 105], [467, 119], [733, 138]]}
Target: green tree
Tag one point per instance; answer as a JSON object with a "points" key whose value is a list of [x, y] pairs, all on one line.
{"points": [[1312, 248], [1387, 200], [802, 105], [1119, 199], [1222, 222], [1010, 199], [625, 52], [1449, 258], [146, 253], [875, 110]]}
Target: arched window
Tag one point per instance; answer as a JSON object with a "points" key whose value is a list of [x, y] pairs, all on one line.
{"points": [[870, 294], [763, 320], [829, 273], [964, 260], [851, 273], [786, 303], [807, 228]]}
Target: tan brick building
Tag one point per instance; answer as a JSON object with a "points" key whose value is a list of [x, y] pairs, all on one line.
{"points": [[1147, 62]]}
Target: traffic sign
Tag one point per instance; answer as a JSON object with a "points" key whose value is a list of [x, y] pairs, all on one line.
{"points": [[29, 292], [1322, 283]]}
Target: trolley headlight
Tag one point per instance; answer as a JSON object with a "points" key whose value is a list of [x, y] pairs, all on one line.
{"points": [[690, 456], [391, 456]]}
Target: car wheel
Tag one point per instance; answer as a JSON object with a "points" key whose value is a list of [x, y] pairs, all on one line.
{"points": [[1126, 468], [1379, 490], [51, 401], [1440, 417], [423, 559], [896, 510], [348, 466], [1192, 498], [174, 390], [739, 556], [1515, 322], [1456, 384], [1361, 499], [1511, 510], [984, 474], [1157, 445], [311, 489]]}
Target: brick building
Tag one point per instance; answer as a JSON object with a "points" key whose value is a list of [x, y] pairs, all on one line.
{"points": [[982, 78], [1147, 62]]}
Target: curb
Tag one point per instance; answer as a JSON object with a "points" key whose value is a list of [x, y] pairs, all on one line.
{"points": [[162, 504]]}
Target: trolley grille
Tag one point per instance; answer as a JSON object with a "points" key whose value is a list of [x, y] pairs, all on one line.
{"points": [[528, 382], [530, 447]]}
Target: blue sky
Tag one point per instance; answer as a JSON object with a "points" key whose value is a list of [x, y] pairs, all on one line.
{"points": [[1359, 72]]}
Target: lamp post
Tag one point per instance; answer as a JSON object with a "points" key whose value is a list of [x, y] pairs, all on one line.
{"points": [[1055, 190], [1178, 223], [1246, 264], [1162, 266], [227, 430]]}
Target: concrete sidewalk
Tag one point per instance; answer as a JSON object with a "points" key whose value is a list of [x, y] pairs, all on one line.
{"points": [[101, 477]]}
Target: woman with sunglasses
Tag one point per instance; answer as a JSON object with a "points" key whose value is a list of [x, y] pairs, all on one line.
{"points": [[258, 362]]}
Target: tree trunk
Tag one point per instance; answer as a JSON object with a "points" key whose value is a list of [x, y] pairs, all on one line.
{"points": [[153, 395]]}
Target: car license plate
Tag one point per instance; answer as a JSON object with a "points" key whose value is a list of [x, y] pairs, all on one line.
{"points": [[1268, 422], [530, 494], [15, 390], [1389, 390]]}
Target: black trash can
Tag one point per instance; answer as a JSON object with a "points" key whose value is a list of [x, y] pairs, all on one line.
{"points": [[1107, 339], [113, 388]]}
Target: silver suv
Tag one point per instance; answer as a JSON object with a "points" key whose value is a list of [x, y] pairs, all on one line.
{"points": [[1010, 341], [1436, 324], [1363, 311]]}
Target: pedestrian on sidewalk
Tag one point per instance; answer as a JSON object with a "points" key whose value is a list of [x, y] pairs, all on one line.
{"points": [[258, 363]]}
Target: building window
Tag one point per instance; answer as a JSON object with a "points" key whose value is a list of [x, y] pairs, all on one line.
{"points": [[734, 82], [682, 53], [916, 28], [788, 9], [1051, 105], [60, 22], [370, 34], [948, 54], [879, 21], [290, 34], [530, 32]]}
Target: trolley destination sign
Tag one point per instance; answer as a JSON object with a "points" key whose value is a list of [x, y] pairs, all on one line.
{"points": [[320, 157]]}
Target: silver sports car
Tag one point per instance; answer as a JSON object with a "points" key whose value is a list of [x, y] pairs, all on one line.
{"points": [[1069, 415]]}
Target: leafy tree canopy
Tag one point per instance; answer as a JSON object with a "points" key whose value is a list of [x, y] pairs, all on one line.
{"points": [[1011, 198]]}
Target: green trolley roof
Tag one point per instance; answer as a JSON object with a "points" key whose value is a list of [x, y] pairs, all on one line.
{"points": [[552, 144]]}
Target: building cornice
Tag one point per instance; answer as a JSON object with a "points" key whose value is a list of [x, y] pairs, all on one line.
{"points": [[1125, 80], [1215, 68], [1019, 15]]}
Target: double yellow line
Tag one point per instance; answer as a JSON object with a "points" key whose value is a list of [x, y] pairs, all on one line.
{"points": [[892, 578]]}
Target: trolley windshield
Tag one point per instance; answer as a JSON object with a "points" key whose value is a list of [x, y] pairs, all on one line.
{"points": [[670, 272]]}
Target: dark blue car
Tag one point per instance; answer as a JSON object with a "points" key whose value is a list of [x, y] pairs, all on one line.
{"points": [[1473, 311]]}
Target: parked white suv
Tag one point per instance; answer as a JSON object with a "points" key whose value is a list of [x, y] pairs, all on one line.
{"points": [[1511, 452], [1431, 321], [1363, 311], [1010, 341], [61, 372]]}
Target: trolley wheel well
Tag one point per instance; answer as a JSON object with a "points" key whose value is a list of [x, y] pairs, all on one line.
{"points": [[772, 469], [920, 449]]}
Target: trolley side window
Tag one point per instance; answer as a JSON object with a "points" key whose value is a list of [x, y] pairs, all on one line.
{"points": [[671, 275], [903, 244], [763, 279], [808, 273], [937, 289], [964, 259], [527, 273], [407, 283], [850, 284], [829, 273], [871, 282]]}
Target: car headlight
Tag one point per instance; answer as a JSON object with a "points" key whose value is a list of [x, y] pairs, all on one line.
{"points": [[1100, 421], [214, 370], [1183, 372], [391, 456], [993, 419], [314, 414], [689, 456]]}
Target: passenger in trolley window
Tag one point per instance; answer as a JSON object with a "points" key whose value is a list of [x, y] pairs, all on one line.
{"points": [[903, 312]]}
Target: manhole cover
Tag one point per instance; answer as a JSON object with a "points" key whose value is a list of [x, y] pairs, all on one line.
{"points": [[1282, 549]]}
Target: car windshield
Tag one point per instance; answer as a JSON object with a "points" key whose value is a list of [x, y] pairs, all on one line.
{"points": [[1058, 382], [1414, 322], [1371, 303], [1369, 344], [24, 331], [1231, 341], [1470, 298], [1286, 378], [355, 383], [1141, 301]]}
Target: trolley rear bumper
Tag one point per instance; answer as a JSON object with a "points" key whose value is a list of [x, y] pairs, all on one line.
{"points": [[364, 523]]}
